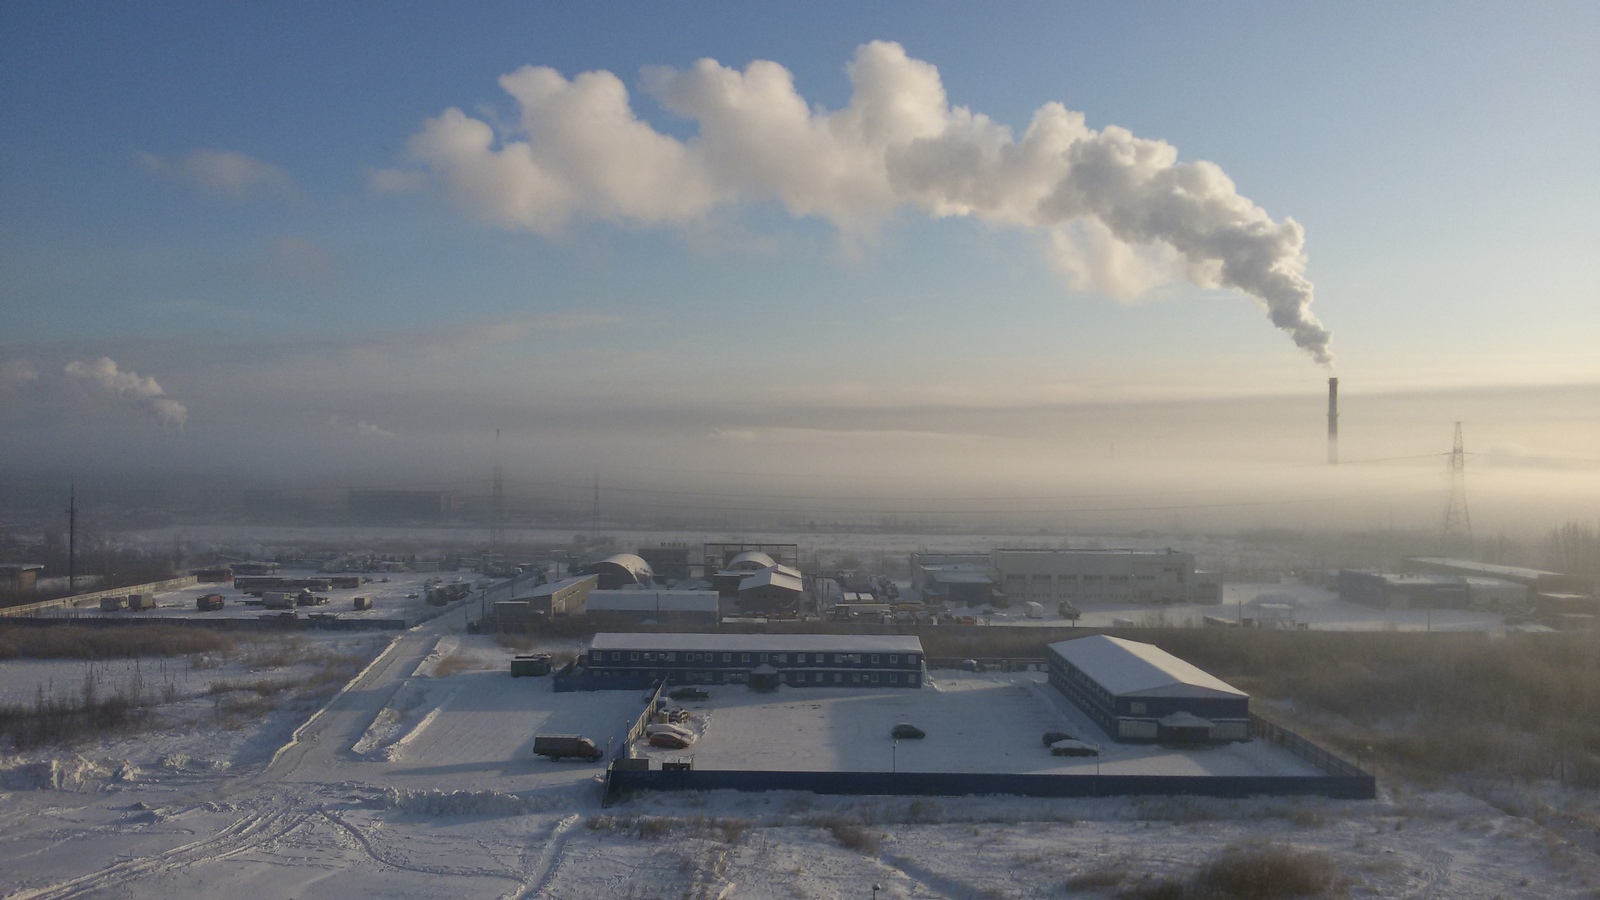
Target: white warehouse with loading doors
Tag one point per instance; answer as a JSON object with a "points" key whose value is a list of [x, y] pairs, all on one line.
{"points": [[1139, 692]]}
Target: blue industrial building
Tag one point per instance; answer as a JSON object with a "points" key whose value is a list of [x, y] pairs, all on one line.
{"points": [[1139, 692]]}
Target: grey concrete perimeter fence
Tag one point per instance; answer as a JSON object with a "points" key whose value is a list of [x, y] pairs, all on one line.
{"points": [[1342, 781], [271, 623], [153, 587], [956, 784]]}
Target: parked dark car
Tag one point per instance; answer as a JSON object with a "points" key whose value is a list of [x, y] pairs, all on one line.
{"points": [[563, 746], [906, 731], [1073, 748], [1050, 737], [689, 693]]}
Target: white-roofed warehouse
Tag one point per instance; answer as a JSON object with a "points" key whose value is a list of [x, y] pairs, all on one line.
{"points": [[1139, 692], [623, 610]]}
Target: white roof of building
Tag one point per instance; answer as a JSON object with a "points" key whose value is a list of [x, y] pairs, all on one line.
{"points": [[652, 601], [1126, 667], [762, 643], [551, 588], [775, 576], [751, 559], [1495, 571]]}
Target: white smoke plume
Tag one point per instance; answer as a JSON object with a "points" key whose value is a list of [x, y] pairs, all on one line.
{"points": [[104, 374], [1122, 214]]}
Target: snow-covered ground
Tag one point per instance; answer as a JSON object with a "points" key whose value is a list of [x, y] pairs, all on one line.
{"points": [[414, 781]]}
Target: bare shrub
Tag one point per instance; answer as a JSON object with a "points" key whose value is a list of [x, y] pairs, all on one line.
{"points": [[1098, 879], [1270, 871], [850, 835], [89, 715], [83, 642], [261, 687], [277, 652], [727, 830]]}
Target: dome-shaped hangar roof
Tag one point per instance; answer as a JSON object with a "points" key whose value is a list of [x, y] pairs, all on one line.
{"points": [[751, 561], [621, 569]]}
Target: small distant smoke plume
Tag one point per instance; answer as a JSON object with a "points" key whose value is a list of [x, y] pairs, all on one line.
{"points": [[224, 172], [1121, 213], [359, 428], [104, 375]]}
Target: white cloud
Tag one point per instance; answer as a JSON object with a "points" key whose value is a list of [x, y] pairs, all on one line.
{"points": [[223, 172], [15, 373], [1121, 212], [112, 381]]}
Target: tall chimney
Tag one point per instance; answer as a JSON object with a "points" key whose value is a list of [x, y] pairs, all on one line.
{"points": [[1333, 421]]}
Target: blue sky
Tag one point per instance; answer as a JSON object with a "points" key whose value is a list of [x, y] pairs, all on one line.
{"points": [[192, 191]]}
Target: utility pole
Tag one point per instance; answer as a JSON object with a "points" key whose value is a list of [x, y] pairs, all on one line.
{"points": [[72, 538], [497, 507], [594, 524], [1457, 531]]}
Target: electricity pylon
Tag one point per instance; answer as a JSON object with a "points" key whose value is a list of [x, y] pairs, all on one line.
{"points": [[1457, 532]]}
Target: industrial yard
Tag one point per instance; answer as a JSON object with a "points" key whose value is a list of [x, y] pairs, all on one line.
{"points": [[974, 723], [415, 781], [297, 761]]}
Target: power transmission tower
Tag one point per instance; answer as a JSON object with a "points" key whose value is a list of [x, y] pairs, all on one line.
{"points": [[497, 507], [1457, 532]]}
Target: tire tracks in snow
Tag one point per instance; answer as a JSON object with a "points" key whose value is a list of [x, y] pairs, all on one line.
{"points": [[544, 867], [249, 832], [396, 861]]}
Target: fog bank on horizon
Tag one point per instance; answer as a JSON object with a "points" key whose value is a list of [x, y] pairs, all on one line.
{"points": [[1198, 465]]}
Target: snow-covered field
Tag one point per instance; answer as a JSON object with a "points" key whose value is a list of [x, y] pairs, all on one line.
{"points": [[414, 781]]}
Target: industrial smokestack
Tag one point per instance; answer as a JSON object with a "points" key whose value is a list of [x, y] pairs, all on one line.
{"points": [[1333, 421]]}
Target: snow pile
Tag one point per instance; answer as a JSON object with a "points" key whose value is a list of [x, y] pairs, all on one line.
{"points": [[388, 734], [76, 773], [469, 803], [183, 762], [444, 648]]}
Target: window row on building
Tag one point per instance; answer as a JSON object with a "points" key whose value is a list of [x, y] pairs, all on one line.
{"points": [[801, 659]]}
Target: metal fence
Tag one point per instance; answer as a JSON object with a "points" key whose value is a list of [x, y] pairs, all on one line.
{"points": [[636, 730], [1275, 734]]}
